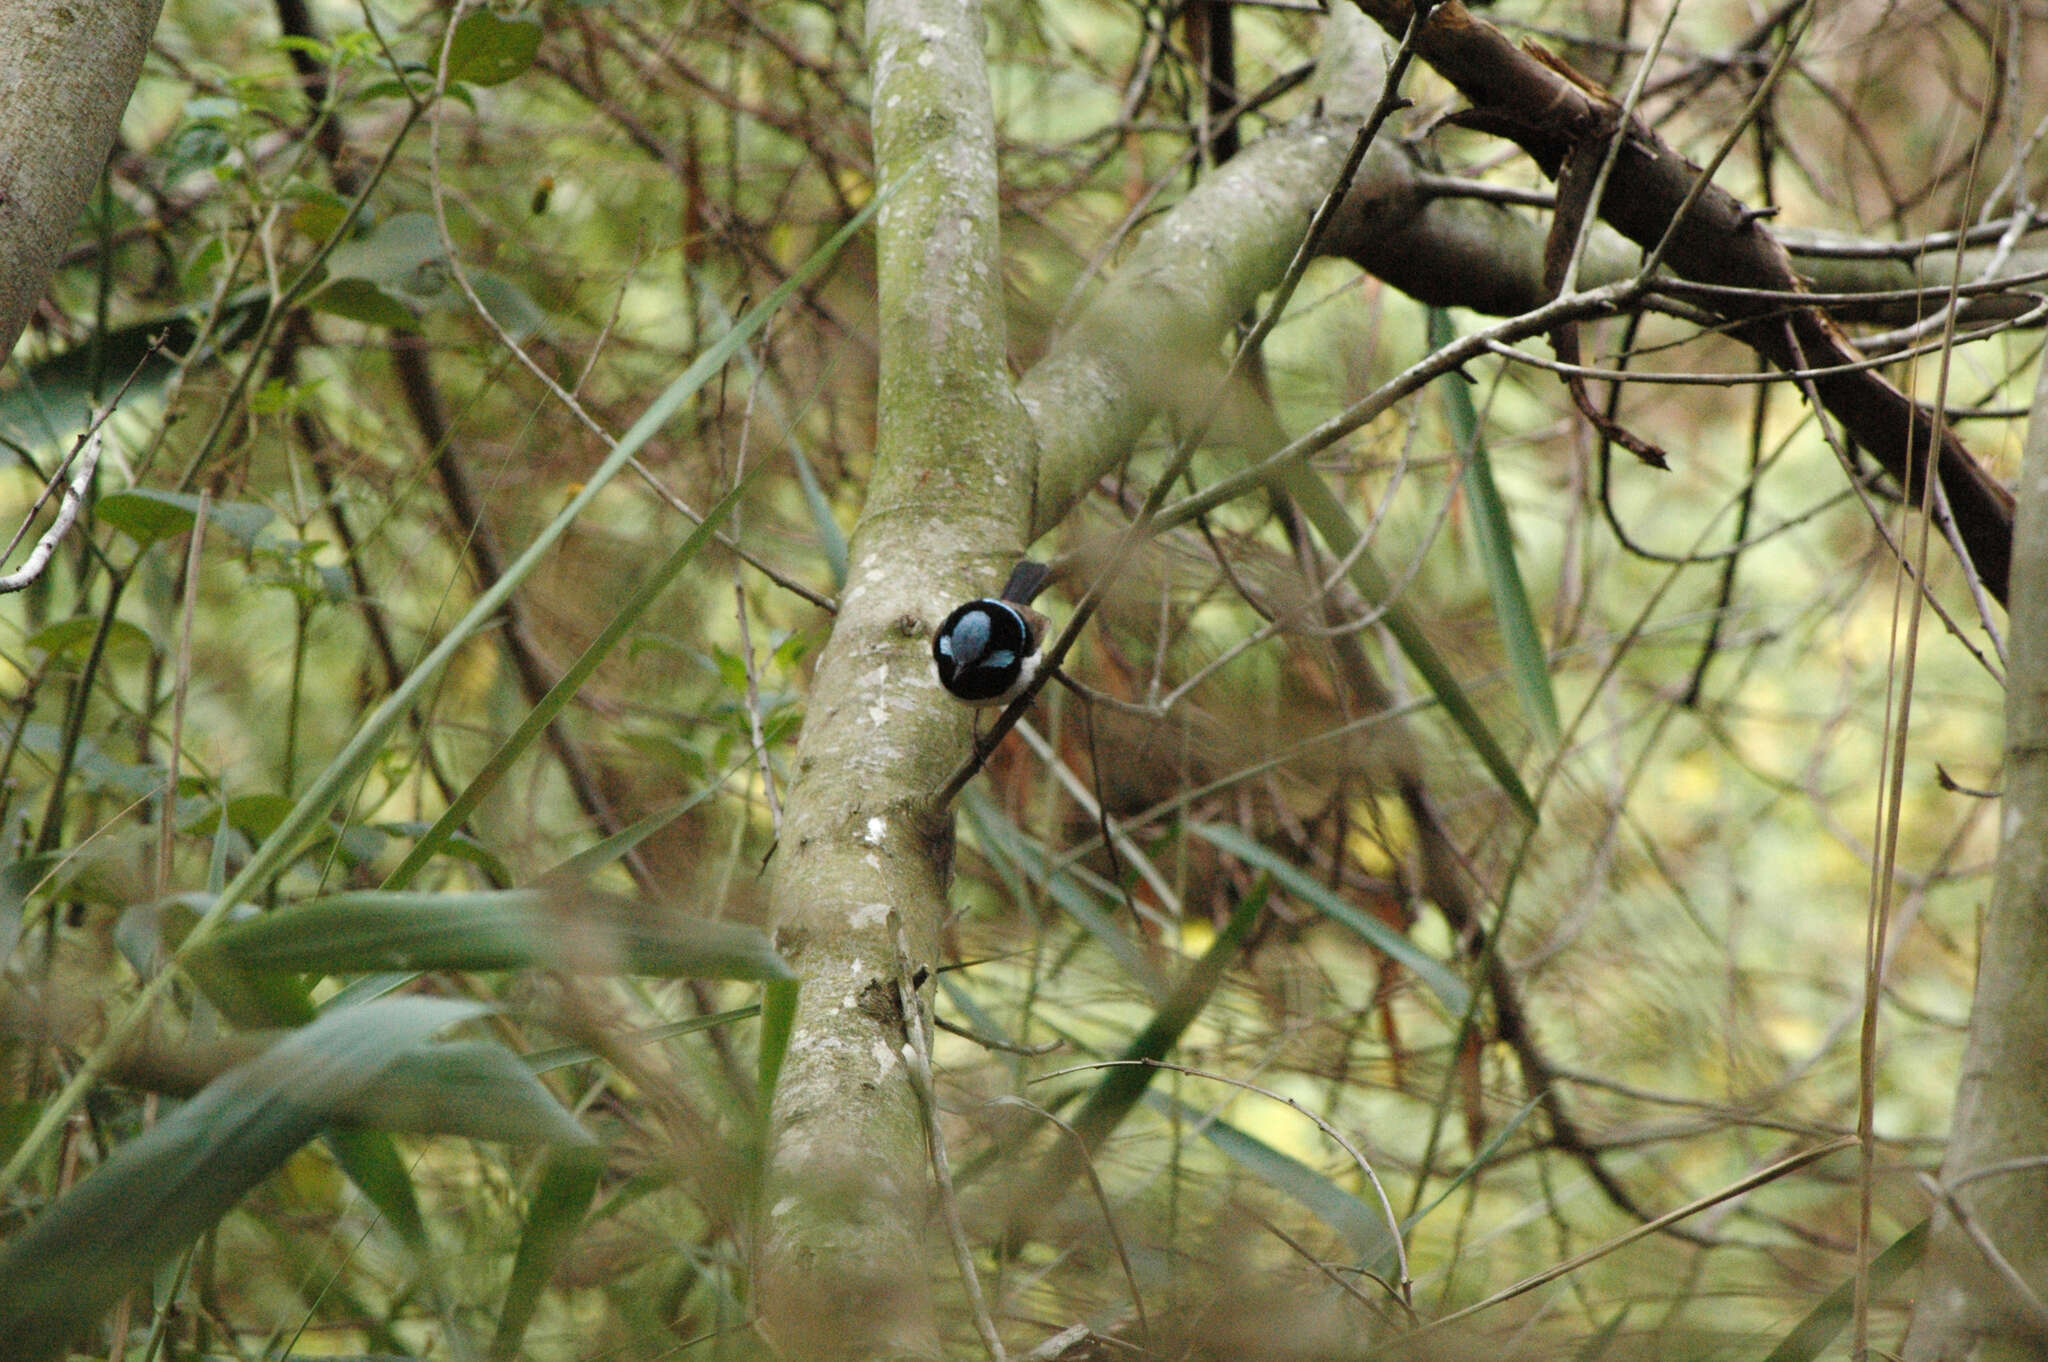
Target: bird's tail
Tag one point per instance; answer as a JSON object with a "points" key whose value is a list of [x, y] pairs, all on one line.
{"points": [[1027, 579]]}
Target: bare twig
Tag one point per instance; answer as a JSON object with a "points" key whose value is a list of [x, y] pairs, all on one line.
{"points": [[83, 460]]}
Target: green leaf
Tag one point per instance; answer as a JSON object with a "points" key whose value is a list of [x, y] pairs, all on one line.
{"points": [[1477, 1164], [592, 859], [1439, 979], [1004, 842], [488, 50], [1362, 1225], [1811, 1336], [255, 816], [1521, 640], [17, 878], [511, 306], [568, 1185], [479, 1090], [146, 515], [1341, 537], [385, 275], [50, 402], [778, 1021], [580, 931], [1121, 1087], [73, 638], [546, 1061], [162, 1189], [371, 1161], [358, 300]]}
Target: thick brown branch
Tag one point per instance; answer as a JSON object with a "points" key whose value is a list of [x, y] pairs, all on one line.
{"points": [[1534, 100]]}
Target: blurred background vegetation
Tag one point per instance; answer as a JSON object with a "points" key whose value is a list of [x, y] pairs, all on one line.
{"points": [[263, 283]]}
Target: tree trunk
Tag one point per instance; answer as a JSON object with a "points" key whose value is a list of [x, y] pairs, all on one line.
{"points": [[1987, 1258], [843, 1262], [66, 72]]}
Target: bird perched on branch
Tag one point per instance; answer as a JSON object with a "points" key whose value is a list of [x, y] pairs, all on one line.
{"points": [[987, 650]]}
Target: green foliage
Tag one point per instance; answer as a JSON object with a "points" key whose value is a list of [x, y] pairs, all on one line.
{"points": [[165, 1187]]}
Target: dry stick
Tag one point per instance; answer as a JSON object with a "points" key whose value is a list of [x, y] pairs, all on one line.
{"points": [[1884, 869], [1116, 1238], [183, 686], [1389, 102], [1770, 1173], [83, 460], [917, 1063]]}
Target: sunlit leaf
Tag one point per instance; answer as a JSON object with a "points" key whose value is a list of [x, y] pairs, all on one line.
{"points": [[73, 638], [488, 50], [147, 515]]}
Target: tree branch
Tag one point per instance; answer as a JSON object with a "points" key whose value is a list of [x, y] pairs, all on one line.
{"points": [[1534, 100]]}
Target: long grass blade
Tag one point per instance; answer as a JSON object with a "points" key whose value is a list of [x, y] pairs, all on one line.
{"points": [[1340, 536], [543, 713], [1435, 975], [1521, 640]]}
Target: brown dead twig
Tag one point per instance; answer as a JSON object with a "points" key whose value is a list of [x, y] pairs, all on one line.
{"points": [[1706, 235]]}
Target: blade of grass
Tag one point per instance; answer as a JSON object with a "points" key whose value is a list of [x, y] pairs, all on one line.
{"points": [[562, 1197], [1447, 986], [1340, 536], [1521, 640], [1006, 844], [562, 1056], [1811, 1336], [1122, 1086], [543, 713], [1479, 1161], [778, 1020]]}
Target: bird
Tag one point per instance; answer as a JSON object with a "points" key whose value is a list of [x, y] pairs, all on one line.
{"points": [[987, 650]]}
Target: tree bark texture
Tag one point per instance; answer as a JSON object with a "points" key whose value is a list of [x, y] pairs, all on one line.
{"points": [[66, 72], [845, 1216], [1991, 1225]]}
